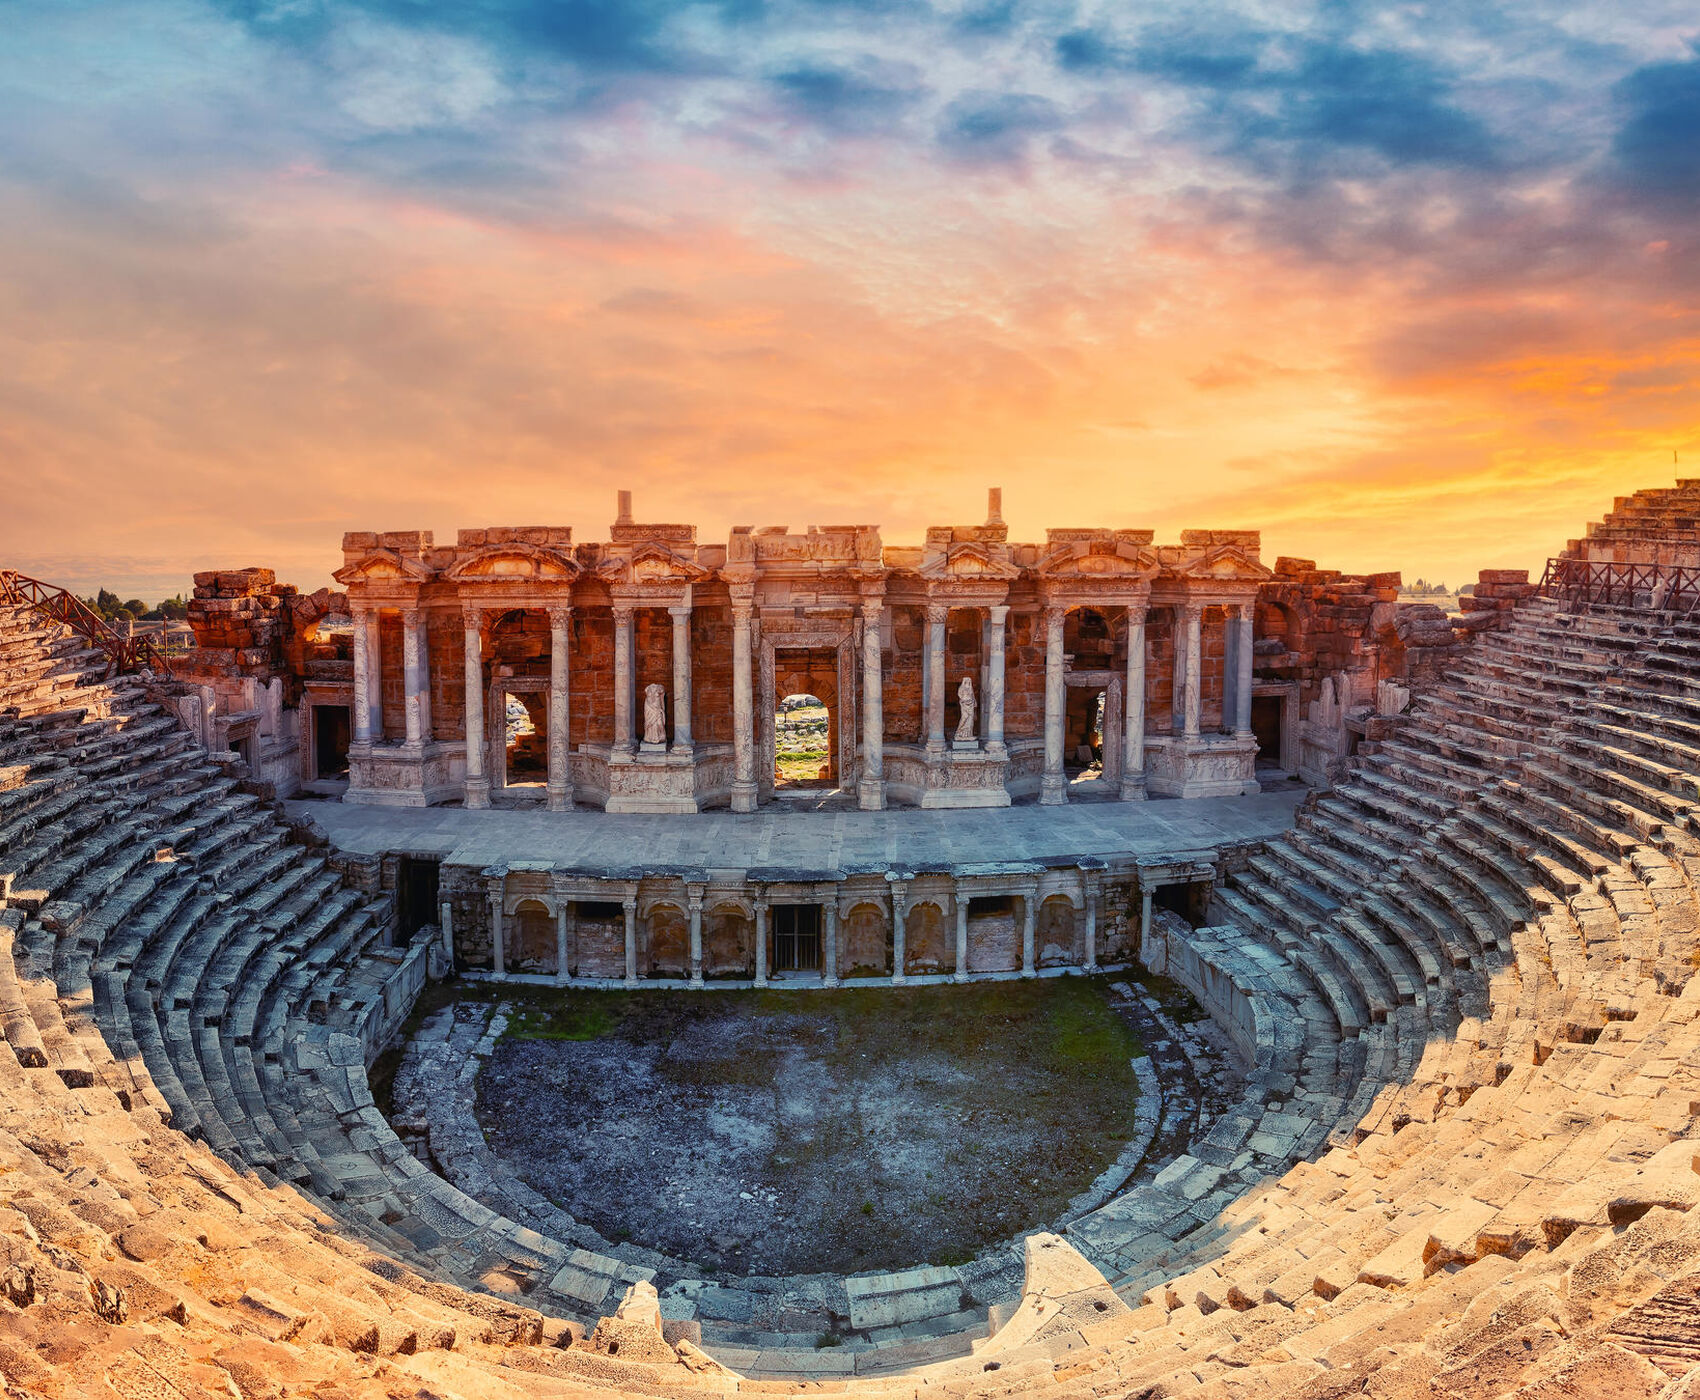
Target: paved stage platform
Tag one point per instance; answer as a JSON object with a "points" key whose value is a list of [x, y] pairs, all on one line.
{"points": [[776, 843]]}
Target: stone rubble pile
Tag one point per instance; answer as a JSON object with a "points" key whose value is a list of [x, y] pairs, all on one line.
{"points": [[1465, 1163]]}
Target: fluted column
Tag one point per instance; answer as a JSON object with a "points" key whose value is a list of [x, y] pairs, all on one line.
{"points": [[961, 901], [1242, 692], [829, 942], [937, 613], [743, 713], [1053, 786], [899, 932], [1194, 618], [477, 783], [1029, 925], [870, 791], [622, 679], [362, 679], [629, 904], [681, 677], [761, 941], [693, 901], [560, 747], [1133, 706], [997, 618]]}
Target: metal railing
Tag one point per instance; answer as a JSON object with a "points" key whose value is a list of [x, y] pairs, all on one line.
{"points": [[1659, 587], [53, 602]]}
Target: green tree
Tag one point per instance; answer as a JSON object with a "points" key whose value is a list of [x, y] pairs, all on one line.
{"points": [[106, 602]]}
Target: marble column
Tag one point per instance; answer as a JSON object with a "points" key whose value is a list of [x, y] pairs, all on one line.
{"points": [[562, 975], [623, 679], [375, 677], [681, 677], [498, 958], [829, 943], [961, 973], [1029, 925], [743, 714], [477, 784], [413, 675], [629, 904], [899, 932], [1090, 899], [761, 942], [1053, 786], [870, 791], [937, 613], [693, 902], [362, 679], [1194, 615], [1133, 708], [560, 718], [997, 625], [446, 925], [1243, 625]]}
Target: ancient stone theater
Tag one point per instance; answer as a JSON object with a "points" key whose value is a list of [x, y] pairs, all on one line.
{"points": [[332, 947]]}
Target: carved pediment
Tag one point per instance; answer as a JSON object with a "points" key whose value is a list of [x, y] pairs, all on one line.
{"points": [[970, 562], [382, 565], [515, 562], [1106, 560], [1226, 562], [653, 564]]}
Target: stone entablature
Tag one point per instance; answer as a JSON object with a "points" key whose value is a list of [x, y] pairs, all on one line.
{"points": [[960, 672]]}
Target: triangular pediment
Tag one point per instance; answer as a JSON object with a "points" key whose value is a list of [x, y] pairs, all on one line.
{"points": [[382, 565], [1099, 560], [1226, 562], [970, 561], [506, 563]]}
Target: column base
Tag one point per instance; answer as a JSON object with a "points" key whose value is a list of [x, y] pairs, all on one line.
{"points": [[870, 794], [1053, 790], [743, 796], [761, 982], [477, 794], [898, 979], [959, 977], [829, 982], [1029, 972], [696, 979], [560, 800], [1133, 789]]}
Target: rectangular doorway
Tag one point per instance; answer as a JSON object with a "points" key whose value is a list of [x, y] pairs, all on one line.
{"points": [[330, 741], [796, 938], [416, 894]]}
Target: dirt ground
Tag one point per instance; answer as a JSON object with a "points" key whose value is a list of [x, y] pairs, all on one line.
{"points": [[796, 1132]]}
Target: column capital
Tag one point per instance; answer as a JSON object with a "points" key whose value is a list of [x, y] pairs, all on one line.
{"points": [[694, 901], [679, 609], [1054, 612], [629, 904], [1192, 609], [937, 613], [472, 614], [622, 610], [998, 612], [872, 607], [759, 902], [410, 616], [560, 614], [494, 884]]}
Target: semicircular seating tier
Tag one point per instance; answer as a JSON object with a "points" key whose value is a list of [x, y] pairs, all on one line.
{"points": [[1464, 1163]]}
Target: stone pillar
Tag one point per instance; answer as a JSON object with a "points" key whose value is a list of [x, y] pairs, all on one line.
{"points": [[1243, 625], [562, 975], [446, 925], [899, 932], [1089, 897], [1194, 616], [681, 677], [623, 679], [1053, 787], [375, 677], [761, 941], [629, 904], [997, 622], [1029, 924], [1145, 929], [498, 958], [829, 942], [363, 679], [870, 791], [1133, 708], [477, 784], [693, 902], [743, 713], [413, 675], [560, 749], [961, 901], [937, 613]]}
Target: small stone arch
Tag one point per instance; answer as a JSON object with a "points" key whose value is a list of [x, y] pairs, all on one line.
{"points": [[865, 940], [1058, 932], [928, 944], [669, 938], [531, 937], [728, 939]]}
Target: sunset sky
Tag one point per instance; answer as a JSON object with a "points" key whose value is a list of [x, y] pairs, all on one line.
{"points": [[1404, 286]]}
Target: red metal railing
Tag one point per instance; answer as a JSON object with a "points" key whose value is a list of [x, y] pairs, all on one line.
{"points": [[127, 653], [1660, 587]]}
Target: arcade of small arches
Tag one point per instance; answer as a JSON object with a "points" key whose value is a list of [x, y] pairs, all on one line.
{"points": [[644, 674]]}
